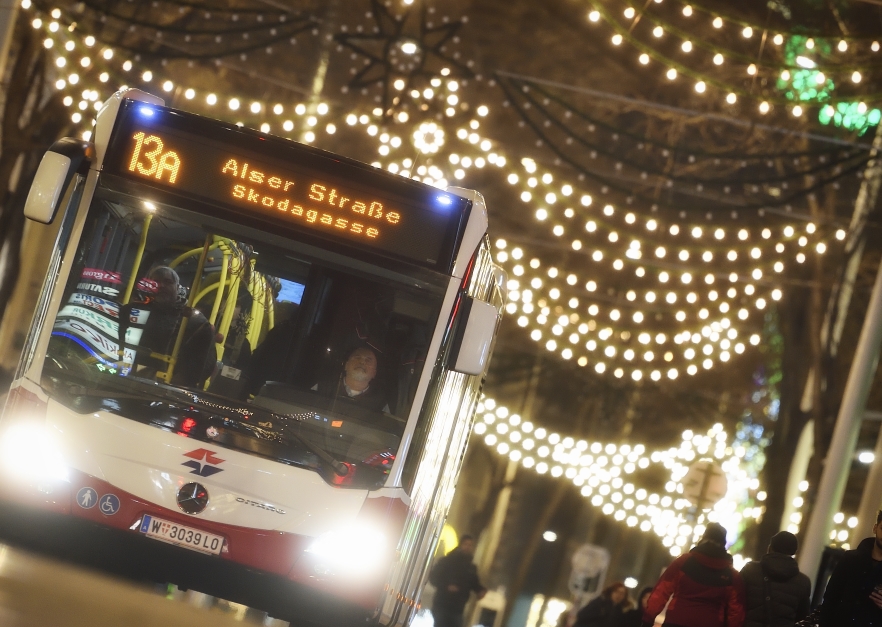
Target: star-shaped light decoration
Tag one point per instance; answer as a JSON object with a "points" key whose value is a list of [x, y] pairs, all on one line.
{"points": [[404, 52]]}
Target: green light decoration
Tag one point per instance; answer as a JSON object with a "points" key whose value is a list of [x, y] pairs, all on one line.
{"points": [[852, 116], [808, 84], [804, 83]]}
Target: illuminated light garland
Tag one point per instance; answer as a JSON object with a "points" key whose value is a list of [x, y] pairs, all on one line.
{"points": [[602, 472], [190, 93], [264, 29], [630, 174], [662, 27], [91, 99], [624, 33], [718, 20], [609, 222], [525, 85], [631, 347], [538, 293]]}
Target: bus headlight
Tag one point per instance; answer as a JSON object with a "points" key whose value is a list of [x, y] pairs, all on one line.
{"points": [[31, 452], [351, 550]]}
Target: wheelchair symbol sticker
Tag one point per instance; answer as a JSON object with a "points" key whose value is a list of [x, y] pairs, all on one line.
{"points": [[109, 504], [87, 498]]}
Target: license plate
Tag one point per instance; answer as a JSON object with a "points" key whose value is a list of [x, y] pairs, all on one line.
{"points": [[181, 535]]}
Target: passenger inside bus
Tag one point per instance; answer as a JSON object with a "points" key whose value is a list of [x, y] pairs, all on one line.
{"points": [[165, 298]]}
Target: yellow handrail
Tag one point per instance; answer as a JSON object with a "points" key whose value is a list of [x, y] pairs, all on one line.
{"points": [[207, 290], [271, 310], [190, 253], [227, 319], [222, 281], [256, 307], [139, 255], [167, 375]]}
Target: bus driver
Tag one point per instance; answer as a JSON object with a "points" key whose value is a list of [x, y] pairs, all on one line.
{"points": [[356, 381]]}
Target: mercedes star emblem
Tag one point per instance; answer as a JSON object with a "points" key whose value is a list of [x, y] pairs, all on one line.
{"points": [[192, 498]]}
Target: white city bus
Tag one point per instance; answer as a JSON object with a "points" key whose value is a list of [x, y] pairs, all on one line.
{"points": [[253, 367]]}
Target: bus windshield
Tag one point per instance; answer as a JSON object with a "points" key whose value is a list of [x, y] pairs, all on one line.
{"points": [[241, 338]]}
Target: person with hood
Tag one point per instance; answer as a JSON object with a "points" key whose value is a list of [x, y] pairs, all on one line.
{"points": [[703, 588], [455, 577], [854, 592], [606, 610], [634, 616], [163, 296], [776, 593]]}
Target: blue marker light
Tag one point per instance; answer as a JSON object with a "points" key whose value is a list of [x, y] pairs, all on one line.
{"points": [[445, 200], [147, 111]]}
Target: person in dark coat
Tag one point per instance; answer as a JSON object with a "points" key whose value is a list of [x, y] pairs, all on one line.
{"points": [[606, 610], [455, 577], [634, 616], [776, 593], [854, 592], [706, 590], [162, 295]]}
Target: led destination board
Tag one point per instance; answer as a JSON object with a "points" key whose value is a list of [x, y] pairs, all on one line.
{"points": [[286, 183]]}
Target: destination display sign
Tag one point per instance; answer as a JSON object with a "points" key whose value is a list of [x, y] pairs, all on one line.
{"points": [[286, 183]]}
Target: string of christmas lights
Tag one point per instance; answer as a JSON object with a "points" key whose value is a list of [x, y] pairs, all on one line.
{"points": [[718, 19], [646, 318], [634, 165], [199, 38], [746, 32], [770, 58], [637, 189], [608, 474]]}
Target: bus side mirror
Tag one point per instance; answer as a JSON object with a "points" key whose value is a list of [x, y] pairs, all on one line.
{"points": [[65, 158], [474, 339]]}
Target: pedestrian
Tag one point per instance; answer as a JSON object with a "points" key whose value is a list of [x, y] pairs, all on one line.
{"points": [[634, 616], [776, 593], [606, 610], [703, 588], [455, 577], [854, 592]]}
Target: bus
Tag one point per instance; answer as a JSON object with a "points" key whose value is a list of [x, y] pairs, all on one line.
{"points": [[253, 367]]}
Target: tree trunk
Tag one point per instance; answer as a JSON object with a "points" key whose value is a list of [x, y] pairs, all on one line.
{"points": [[794, 327]]}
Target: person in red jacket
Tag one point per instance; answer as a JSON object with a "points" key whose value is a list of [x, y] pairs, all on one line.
{"points": [[706, 590]]}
